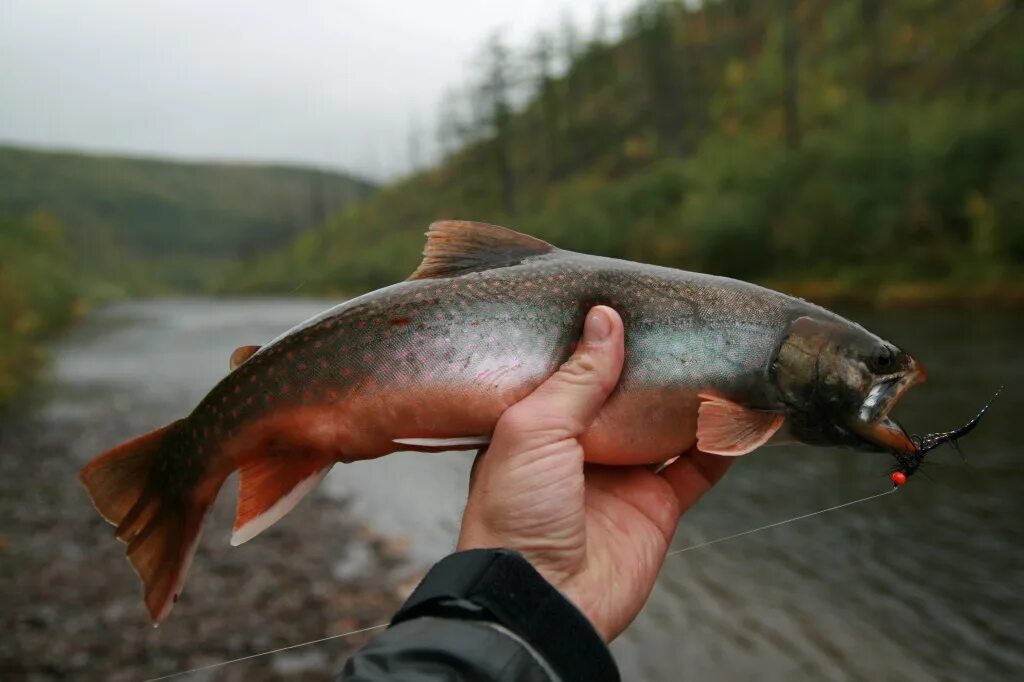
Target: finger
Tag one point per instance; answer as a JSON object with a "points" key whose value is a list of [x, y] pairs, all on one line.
{"points": [[693, 474], [565, 405]]}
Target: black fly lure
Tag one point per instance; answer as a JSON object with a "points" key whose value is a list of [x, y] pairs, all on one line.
{"points": [[907, 463]]}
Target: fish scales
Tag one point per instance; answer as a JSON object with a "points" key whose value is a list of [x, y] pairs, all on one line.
{"points": [[488, 338]]}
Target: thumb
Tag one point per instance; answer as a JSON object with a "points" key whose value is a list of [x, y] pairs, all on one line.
{"points": [[565, 405]]}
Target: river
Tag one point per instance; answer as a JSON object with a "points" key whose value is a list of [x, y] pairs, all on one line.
{"points": [[924, 584]]}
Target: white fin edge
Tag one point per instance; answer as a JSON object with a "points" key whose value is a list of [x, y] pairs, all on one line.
{"points": [[279, 509], [179, 582], [461, 441]]}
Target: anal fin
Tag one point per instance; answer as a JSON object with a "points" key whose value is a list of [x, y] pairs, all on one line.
{"points": [[727, 428], [270, 485]]}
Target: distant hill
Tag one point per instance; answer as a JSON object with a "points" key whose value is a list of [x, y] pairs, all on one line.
{"points": [[148, 223], [856, 145]]}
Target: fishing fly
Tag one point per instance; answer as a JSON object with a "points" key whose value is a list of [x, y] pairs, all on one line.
{"points": [[909, 462]]}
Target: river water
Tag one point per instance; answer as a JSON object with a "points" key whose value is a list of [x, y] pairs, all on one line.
{"points": [[924, 584]]}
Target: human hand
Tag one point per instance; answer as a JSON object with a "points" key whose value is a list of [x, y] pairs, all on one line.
{"points": [[598, 534]]}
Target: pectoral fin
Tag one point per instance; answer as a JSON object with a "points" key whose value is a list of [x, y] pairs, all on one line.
{"points": [[726, 428]]}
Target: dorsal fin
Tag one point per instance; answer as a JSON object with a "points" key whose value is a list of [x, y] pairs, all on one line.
{"points": [[241, 354], [459, 247]]}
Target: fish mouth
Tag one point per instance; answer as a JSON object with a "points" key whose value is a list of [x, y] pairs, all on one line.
{"points": [[872, 422]]}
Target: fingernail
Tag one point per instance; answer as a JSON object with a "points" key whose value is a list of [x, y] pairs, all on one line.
{"points": [[597, 328]]}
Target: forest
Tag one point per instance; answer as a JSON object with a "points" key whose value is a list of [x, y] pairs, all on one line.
{"points": [[861, 150]]}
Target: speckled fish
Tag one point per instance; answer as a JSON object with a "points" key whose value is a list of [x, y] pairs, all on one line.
{"points": [[431, 363]]}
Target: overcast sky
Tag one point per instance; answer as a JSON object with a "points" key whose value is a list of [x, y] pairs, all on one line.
{"points": [[332, 83]]}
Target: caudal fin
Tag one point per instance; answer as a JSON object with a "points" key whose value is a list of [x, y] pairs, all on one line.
{"points": [[159, 519]]}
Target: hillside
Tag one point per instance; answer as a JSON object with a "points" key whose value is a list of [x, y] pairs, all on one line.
{"points": [[75, 228], [145, 224], [836, 147]]}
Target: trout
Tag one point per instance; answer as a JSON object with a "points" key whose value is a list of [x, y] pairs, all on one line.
{"points": [[431, 363]]}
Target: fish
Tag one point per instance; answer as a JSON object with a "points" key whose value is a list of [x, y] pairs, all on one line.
{"points": [[431, 363]]}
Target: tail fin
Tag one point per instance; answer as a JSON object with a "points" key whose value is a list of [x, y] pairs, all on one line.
{"points": [[159, 520]]}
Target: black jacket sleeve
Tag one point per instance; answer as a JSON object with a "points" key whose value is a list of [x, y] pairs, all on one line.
{"points": [[483, 616]]}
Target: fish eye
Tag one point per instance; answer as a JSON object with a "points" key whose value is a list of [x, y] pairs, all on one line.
{"points": [[883, 359]]}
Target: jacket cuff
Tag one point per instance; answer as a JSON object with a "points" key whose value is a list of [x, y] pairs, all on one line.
{"points": [[501, 586]]}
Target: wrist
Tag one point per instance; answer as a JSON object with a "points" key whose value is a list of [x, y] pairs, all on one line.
{"points": [[574, 587], [503, 587]]}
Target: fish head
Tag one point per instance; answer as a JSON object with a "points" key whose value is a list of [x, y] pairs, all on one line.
{"points": [[839, 382]]}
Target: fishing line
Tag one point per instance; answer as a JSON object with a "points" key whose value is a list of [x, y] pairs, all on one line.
{"points": [[724, 538], [779, 523], [264, 653]]}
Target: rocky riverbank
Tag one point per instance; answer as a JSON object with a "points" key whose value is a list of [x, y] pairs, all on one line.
{"points": [[71, 607]]}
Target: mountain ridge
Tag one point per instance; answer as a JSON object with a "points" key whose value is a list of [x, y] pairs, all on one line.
{"points": [[146, 222]]}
